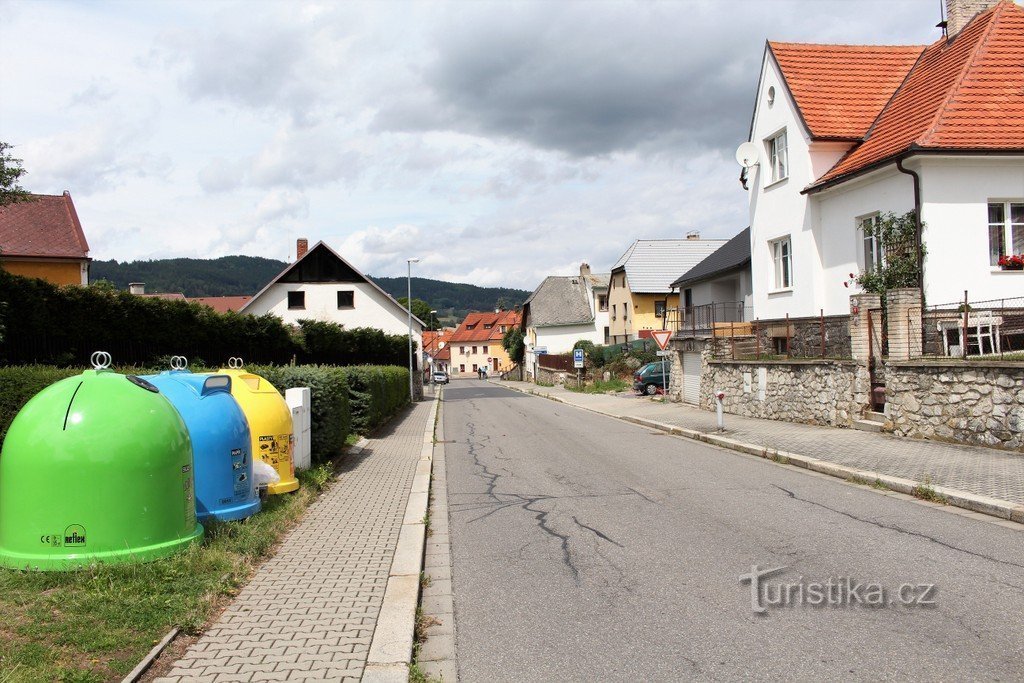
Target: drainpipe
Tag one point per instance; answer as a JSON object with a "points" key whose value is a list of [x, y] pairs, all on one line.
{"points": [[917, 221]]}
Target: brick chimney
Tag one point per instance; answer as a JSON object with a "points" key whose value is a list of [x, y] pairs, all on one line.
{"points": [[960, 12], [301, 247], [584, 270], [693, 235], [137, 288]]}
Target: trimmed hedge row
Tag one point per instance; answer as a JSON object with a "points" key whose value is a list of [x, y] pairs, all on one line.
{"points": [[43, 323], [375, 394], [330, 415], [345, 400]]}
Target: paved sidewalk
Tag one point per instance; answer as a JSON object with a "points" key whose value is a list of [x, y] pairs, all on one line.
{"points": [[980, 471], [309, 613]]}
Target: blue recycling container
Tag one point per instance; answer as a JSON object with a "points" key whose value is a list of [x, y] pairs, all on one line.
{"points": [[221, 449]]}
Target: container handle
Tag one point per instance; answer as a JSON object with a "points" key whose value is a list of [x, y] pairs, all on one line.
{"points": [[217, 384], [100, 360], [179, 363], [236, 363]]}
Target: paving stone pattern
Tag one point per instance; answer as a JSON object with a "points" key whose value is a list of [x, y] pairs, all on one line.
{"points": [[982, 471], [310, 611]]}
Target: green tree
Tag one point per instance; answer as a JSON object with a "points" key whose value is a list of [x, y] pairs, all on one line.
{"points": [[896, 236], [104, 286], [420, 309], [11, 171], [513, 343], [593, 353]]}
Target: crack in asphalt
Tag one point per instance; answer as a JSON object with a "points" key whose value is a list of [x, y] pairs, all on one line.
{"points": [[596, 532], [485, 472], [893, 527], [541, 517]]}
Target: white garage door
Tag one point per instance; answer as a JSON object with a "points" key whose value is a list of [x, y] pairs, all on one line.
{"points": [[691, 377]]}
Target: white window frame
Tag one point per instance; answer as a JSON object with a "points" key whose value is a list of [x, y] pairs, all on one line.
{"points": [[778, 164], [863, 241], [1007, 226], [779, 281]]}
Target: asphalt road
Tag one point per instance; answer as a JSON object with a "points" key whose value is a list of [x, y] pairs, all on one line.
{"points": [[588, 549]]}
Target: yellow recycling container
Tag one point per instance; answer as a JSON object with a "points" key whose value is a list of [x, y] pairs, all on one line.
{"points": [[270, 423]]}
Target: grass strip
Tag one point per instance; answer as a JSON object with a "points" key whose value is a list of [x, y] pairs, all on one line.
{"points": [[96, 624]]}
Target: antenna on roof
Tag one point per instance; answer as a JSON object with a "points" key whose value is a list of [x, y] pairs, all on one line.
{"points": [[942, 18]]}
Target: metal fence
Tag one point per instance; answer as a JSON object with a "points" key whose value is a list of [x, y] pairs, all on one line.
{"points": [[706, 318], [992, 328]]}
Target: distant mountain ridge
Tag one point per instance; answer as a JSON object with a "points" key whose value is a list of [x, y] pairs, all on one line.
{"points": [[246, 275]]}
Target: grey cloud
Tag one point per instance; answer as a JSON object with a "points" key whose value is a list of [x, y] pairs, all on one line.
{"points": [[97, 92], [591, 79]]}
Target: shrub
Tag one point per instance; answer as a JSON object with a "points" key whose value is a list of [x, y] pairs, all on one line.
{"points": [[330, 343], [330, 418], [64, 325], [375, 394]]}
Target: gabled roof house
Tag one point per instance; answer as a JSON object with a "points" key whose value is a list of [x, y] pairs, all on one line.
{"points": [[476, 342], [848, 132], [321, 285], [43, 238], [567, 308], [640, 287]]}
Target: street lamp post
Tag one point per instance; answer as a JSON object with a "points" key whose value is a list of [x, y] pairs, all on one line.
{"points": [[408, 305], [434, 350]]}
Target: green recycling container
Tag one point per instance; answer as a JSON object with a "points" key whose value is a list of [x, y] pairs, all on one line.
{"points": [[95, 469]]}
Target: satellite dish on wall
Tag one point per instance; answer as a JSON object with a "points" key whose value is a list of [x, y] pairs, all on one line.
{"points": [[748, 155]]}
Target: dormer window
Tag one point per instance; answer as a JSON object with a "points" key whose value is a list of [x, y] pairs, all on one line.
{"points": [[469, 327], [488, 326], [778, 157]]}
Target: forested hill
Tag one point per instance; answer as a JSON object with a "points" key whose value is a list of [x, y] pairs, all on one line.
{"points": [[239, 275], [225, 276]]}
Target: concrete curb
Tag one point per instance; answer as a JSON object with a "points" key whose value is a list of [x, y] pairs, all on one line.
{"points": [[391, 647], [147, 661], [955, 497]]}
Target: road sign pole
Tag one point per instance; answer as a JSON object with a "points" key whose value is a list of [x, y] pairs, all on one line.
{"points": [[662, 337]]}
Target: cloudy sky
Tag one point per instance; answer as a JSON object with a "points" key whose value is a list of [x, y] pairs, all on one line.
{"points": [[499, 142]]}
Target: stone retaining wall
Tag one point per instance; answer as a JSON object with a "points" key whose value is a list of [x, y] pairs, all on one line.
{"points": [[971, 402], [831, 393]]}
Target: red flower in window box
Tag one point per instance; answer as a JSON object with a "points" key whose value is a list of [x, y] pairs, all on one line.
{"points": [[1012, 262]]}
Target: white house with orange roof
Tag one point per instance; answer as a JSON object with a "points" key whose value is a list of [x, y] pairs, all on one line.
{"points": [[846, 132]]}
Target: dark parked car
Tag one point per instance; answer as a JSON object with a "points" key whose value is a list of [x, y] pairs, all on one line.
{"points": [[649, 379]]}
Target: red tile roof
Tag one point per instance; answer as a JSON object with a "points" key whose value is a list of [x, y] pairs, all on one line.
{"points": [[966, 94], [840, 89], [46, 226], [222, 304], [479, 322], [435, 339]]}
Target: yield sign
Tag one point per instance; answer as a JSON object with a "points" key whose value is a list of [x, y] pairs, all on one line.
{"points": [[662, 337]]}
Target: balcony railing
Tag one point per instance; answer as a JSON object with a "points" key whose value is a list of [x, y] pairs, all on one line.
{"points": [[706, 319]]}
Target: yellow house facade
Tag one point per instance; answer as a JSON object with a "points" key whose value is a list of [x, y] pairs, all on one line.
{"points": [[640, 292], [43, 238], [476, 343]]}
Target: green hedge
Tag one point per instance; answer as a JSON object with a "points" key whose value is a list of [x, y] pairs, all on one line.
{"points": [[330, 418], [344, 400], [375, 394], [330, 344], [43, 323]]}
